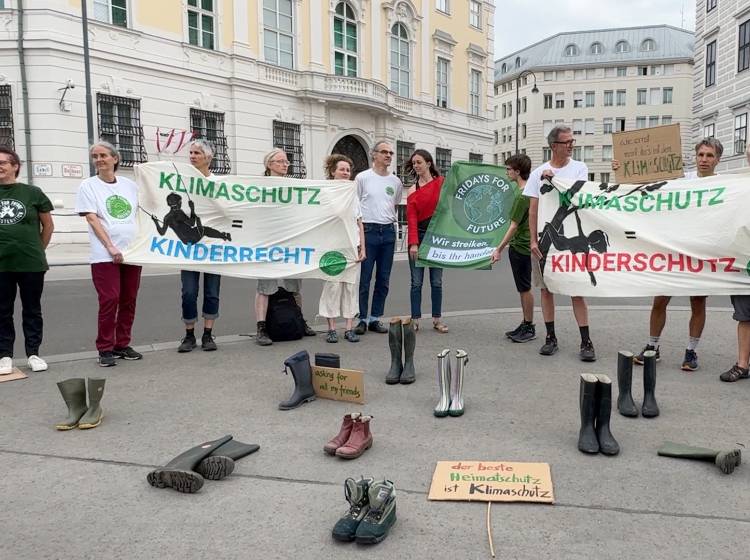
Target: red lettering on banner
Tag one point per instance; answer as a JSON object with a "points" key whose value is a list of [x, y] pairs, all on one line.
{"points": [[641, 263], [672, 262], [579, 262], [729, 262], [556, 263], [712, 262], [594, 262], [653, 258], [609, 262], [623, 261], [698, 266]]}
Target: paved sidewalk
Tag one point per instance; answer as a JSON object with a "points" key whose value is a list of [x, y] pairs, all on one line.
{"points": [[84, 493]]}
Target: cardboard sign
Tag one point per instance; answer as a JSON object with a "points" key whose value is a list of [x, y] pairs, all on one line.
{"points": [[490, 481], [15, 374], [339, 384], [647, 155]]}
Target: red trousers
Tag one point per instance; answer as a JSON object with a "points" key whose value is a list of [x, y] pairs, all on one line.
{"points": [[117, 287]]}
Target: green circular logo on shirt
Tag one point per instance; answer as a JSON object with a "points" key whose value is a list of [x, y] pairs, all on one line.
{"points": [[12, 211], [118, 207], [480, 201], [333, 263], [390, 190]]}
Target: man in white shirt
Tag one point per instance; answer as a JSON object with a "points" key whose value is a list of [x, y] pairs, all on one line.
{"points": [[561, 142], [379, 194]]}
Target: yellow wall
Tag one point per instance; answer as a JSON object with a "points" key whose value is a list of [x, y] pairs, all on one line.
{"points": [[226, 14], [252, 25], [164, 14]]}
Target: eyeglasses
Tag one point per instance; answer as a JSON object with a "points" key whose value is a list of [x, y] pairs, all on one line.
{"points": [[386, 152], [6, 162], [280, 161], [568, 143]]}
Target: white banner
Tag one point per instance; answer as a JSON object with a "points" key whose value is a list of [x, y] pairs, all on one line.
{"points": [[251, 227], [679, 238]]}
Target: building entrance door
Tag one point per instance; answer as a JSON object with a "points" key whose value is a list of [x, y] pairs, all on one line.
{"points": [[352, 147]]}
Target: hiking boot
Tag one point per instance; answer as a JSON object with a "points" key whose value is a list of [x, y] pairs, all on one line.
{"points": [[377, 326], [514, 332], [735, 373], [361, 328], [587, 352], [550, 346], [527, 333], [208, 343], [332, 337], [639, 358], [351, 336], [261, 337], [187, 344], [127, 353], [356, 493], [690, 363], [308, 330], [360, 439], [107, 359], [381, 515]]}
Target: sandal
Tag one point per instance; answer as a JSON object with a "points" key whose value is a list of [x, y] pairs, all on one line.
{"points": [[440, 327], [332, 337]]}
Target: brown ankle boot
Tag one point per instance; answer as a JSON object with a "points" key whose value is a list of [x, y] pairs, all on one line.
{"points": [[343, 435], [360, 440]]}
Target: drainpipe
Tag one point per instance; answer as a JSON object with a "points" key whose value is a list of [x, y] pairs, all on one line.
{"points": [[87, 75], [24, 92]]}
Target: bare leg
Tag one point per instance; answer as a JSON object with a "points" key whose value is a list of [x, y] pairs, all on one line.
{"points": [[331, 323], [548, 306], [298, 299], [261, 306], [209, 323], [527, 305], [659, 315], [580, 311], [743, 343], [697, 316], [349, 324]]}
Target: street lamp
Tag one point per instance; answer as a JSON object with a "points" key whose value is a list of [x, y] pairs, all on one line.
{"points": [[518, 101]]}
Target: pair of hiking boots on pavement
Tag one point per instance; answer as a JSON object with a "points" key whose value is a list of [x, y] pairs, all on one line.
{"points": [[372, 511], [213, 460], [353, 439], [109, 358], [689, 363], [189, 343]]}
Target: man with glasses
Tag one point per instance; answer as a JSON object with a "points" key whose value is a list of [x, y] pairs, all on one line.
{"points": [[563, 166], [379, 194]]}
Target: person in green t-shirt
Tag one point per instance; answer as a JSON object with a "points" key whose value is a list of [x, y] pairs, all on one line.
{"points": [[25, 230], [518, 168]]}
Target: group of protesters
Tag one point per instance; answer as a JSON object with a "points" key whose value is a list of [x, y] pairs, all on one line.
{"points": [[108, 202]]}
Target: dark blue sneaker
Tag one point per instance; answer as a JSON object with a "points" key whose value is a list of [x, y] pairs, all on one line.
{"points": [[690, 363]]}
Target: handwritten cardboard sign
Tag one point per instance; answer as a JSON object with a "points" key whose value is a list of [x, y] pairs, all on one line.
{"points": [[491, 481], [339, 384], [648, 154]]}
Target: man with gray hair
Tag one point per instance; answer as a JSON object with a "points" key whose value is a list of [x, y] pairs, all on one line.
{"points": [[563, 166]]}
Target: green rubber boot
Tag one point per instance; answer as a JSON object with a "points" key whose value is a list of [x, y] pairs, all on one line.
{"points": [[408, 375], [73, 392], [725, 460], [179, 474], [94, 414], [213, 466], [396, 346]]}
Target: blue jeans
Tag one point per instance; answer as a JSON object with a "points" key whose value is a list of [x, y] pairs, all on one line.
{"points": [[436, 290], [211, 287], [380, 243]]}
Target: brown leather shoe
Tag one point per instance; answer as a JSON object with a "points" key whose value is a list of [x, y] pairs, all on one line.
{"points": [[360, 439], [343, 435]]}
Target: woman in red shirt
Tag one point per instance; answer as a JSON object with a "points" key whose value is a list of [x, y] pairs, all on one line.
{"points": [[422, 198]]}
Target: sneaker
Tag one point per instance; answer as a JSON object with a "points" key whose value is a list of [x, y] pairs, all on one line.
{"points": [[356, 493], [735, 373], [332, 337], [527, 333], [6, 366], [127, 353], [514, 332], [187, 344], [361, 328], [377, 326], [309, 331], [639, 358], [382, 513], [351, 336], [550, 346], [107, 359], [208, 343], [36, 363], [587, 352], [690, 363]]}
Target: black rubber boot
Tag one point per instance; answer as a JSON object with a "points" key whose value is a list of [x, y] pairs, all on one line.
{"points": [[725, 460], [179, 473], [299, 363], [408, 375], [587, 441], [607, 443], [649, 409], [235, 450], [625, 404], [73, 392], [396, 345]]}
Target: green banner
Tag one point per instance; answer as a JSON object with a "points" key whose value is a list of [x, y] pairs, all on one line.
{"points": [[471, 217]]}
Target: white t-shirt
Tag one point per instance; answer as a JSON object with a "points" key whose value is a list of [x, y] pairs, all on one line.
{"points": [[573, 170], [116, 206], [378, 196]]}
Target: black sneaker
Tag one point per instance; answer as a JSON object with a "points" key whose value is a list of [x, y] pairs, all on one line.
{"points": [[187, 344], [550, 346], [587, 352], [639, 358], [309, 331], [107, 359], [690, 363], [514, 332], [127, 353], [735, 373], [361, 328], [527, 333], [208, 344], [351, 336], [377, 326]]}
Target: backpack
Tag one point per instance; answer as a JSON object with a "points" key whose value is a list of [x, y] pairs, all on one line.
{"points": [[284, 318]]}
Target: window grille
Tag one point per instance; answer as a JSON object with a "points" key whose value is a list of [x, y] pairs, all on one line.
{"points": [[120, 124], [403, 151], [288, 137], [476, 158], [210, 126], [6, 118], [443, 159]]}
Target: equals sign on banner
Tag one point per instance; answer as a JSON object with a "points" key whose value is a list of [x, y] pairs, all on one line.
{"points": [[237, 223], [630, 234]]}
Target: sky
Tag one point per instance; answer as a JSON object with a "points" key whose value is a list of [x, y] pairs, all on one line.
{"points": [[518, 23]]}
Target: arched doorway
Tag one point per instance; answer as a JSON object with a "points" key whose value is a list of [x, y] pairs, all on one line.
{"points": [[352, 147]]}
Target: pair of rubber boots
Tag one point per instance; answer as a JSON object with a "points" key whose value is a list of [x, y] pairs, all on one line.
{"points": [[299, 365], [595, 400], [450, 384], [725, 460], [372, 511], [625, 404], [81, 415], [402, 340], [213, 460], [353, 439]]}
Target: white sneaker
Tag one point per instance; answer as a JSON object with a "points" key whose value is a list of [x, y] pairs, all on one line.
{"points": [[36, 363], [6, 366]]}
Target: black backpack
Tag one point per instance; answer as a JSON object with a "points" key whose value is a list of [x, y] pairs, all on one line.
{"points": [[284, 318]]}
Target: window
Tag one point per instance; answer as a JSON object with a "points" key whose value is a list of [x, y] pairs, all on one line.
{"points": [[590, 98], [571, 50], [475, 14], [641, 97], [604, 177], [524, 105], [496, 136], [620, 97], [666, 95], [577, 127], [607, 126], [209, 125], [400, 63], [504, 69], [278, 32], [548, 101], [6, 118], [648, 45], [475, 94], [510, 104], [743, 54], [711, 63], [740, 133], [606, 153], [622, 71], [592, 176], [559, 101], [549, 76], [654, 70], [596, 48], [710, 5], [709, 130], [577, 151], [120, 125], [444, 6], [403, 151], [608, 98], [588, 153], [344, 41], [288, 137], [442, 83], [201, 23], [654, 96], [643, 70], [546, 154], [518, 62], [546, 128], [666, 119], [476, 158], [653, 121], [505, 110], [622, 47], [523, 131], [640, 122], [577, 99], [111, 11], [589, 126], [620, 124], [505, 136]]}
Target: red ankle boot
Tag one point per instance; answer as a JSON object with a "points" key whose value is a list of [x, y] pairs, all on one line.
{"points": [[343, 435], [360, 439]]}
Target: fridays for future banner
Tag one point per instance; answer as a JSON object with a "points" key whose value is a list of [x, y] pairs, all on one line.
{"points": [[252, 227], [681, 237]]}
